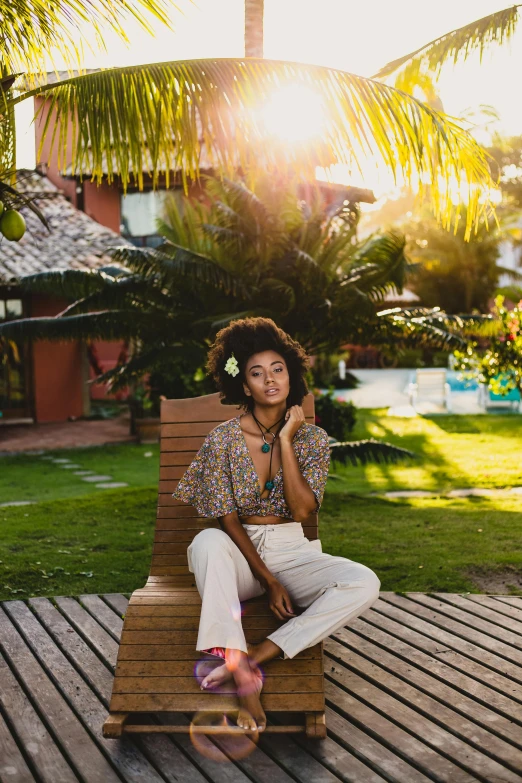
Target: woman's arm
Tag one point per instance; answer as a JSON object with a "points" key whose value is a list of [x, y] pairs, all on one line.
{"points": [[299, 497], [279, 599]]}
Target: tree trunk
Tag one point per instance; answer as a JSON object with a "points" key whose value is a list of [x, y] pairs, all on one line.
{"points": [[254, 12]]}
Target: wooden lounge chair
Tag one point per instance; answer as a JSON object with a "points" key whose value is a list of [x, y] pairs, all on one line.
{"points": [[157, 655]]}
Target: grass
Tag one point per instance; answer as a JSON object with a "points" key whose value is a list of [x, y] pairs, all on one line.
{"points": [[79, 539]]}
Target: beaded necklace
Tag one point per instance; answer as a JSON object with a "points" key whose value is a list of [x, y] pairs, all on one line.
{"points": [[267, 446]]}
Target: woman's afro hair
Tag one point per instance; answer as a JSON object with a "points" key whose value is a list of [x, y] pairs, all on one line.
{"points": [[248, 336]]}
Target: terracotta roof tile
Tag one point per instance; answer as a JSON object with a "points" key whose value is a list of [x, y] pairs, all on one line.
{"points": [[75, 241]]}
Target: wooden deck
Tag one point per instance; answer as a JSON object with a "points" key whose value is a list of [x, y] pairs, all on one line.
{"points": [[419, 688]]}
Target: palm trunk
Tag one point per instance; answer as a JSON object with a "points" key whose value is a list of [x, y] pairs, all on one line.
{"points": [[254, 12]]}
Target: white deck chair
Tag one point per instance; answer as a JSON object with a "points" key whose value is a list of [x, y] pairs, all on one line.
{"points": [[430, 386]]}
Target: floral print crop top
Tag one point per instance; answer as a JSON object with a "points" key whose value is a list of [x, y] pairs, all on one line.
{"points": [[222, 477]]}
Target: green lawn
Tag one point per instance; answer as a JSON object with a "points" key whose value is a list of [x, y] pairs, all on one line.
{"points": [[77, 538]]}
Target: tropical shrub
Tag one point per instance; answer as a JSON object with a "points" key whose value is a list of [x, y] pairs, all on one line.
{"points": [[497, 361], [334, 415]]}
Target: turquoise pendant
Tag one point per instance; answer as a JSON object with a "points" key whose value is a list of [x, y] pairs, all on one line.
{"points": [[269, 485], [265, 448]]}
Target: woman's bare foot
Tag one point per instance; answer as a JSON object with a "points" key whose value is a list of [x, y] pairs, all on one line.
{"points": [[251, 715], [224, 673]]}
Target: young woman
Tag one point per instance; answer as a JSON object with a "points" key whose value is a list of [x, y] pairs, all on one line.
{"points": [[262, 474]]}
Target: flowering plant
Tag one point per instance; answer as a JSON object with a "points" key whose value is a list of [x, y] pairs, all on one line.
{"points": [[231, 366], [500, 363]]}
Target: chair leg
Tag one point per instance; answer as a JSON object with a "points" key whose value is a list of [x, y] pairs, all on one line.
{"points": [[113, 726], [315, 725]]}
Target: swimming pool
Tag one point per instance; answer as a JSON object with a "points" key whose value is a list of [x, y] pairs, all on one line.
{"points": [[456, 383]]}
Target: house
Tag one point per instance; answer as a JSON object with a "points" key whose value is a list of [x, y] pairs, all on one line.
{"points": [[47, 381]]}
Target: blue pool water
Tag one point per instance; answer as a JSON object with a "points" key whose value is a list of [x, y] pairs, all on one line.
{"points": [[459, 385]]}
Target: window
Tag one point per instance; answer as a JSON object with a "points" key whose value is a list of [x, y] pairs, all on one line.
{"points": [[13, 397], [140, 212]]}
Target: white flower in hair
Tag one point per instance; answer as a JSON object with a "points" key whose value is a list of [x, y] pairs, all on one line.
{"points": [[231, 366]]}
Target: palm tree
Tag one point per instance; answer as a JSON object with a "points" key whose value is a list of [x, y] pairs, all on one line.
{"points": [[254, 35], [160, 117]]}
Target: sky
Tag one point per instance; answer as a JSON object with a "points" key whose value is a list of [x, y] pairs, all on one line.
{"points": [[346, 34]]}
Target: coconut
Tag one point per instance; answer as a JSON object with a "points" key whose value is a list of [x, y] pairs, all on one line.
{"points": [[12, 225]]}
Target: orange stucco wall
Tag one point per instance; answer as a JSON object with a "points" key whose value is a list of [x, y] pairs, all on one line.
{"points": [[102, 204], [58, 371]]}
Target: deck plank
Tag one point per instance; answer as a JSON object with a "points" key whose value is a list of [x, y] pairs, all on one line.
{"points": [[485, 705], [12, 763], [485, 611], [499, 672], [394, 736], [481, 627], [76, 742], [505, 610], [467, 743], [45, 757], [419, 688]]}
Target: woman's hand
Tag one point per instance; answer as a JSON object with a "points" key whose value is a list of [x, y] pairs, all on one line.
{"points": [[294, 418], [279, 601]]}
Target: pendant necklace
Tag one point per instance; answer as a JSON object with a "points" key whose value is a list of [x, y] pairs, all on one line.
{"points": [[267, 446]]}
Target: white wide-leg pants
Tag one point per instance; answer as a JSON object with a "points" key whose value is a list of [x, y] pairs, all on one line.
{"points": [[332, 590]]}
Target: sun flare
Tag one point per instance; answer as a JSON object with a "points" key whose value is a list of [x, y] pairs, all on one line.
{"points": [[294, 113]]}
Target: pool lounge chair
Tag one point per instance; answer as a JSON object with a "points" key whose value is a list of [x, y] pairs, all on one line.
{"points": [[488, 400], [430, 392]]}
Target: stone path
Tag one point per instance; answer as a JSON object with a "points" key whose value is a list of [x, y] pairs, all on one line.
{"points": [[453, 493]]}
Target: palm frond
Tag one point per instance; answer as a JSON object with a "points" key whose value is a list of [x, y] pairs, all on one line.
{"points": [[105, 325], [496, 28], [66, 283], [32, 29], [363, 452], [181, 108], [173, 261], [386, 261]]}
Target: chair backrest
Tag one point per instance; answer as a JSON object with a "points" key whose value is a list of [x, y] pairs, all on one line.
{"points": [[430, 383], [184, 425]]}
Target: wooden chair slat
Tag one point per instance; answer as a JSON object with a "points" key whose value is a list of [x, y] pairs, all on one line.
{"points": [[178, 652], [155, 667], [162, 560], [189, 684], [169, 549], [191, 623], [195, 702], [185, 668]]}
